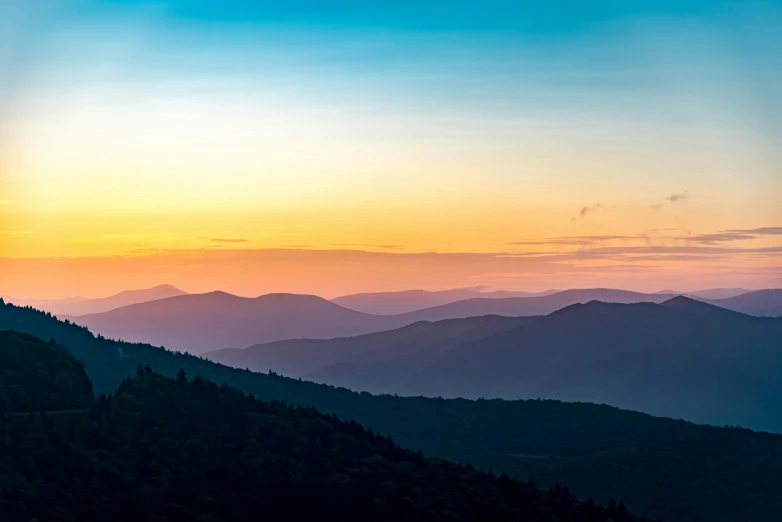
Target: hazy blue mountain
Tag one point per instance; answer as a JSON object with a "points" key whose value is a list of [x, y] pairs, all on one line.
{"points": [[422, 342], [762, 303], [203, 322], [528, 306], [393, 303], [716, 293], [681, 358], [207, 322], [40, 303], [80, 306]]}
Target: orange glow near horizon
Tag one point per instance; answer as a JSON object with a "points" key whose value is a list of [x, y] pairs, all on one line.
{"points": [[270, 155]]}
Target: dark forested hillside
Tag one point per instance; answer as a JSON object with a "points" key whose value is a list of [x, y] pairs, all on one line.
{"points": [[660, 467], [176, 450], [38, 376]]}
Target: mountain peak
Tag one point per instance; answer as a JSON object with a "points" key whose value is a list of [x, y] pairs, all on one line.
{"points": [[167, 287], [689, 305], [285, 297]]}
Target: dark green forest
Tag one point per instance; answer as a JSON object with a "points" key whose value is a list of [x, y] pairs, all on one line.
{"points": [[657, 467], [39, 376], [168, 450]]}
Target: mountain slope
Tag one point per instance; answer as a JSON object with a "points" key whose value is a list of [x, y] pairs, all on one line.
{"points": [[202, 322], [81, 306], [687, 305], [762, 303], [166, 450], [424, 341], [393, 303], [681, 359], [716, 293], [659, 467], [38, 376], [529, 306]]}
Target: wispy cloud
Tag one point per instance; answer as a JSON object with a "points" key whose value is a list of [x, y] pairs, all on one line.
{"points": [[771, 231], [588, 210], [662, 251], [384, 247], [123, 236], [681, 197], [720, 237], [228, 240], [734, 235], [664, 246], [574, 240], [673, 199]]}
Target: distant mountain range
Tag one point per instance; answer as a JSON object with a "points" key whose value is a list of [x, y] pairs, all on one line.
{"points": [[762, 303], [715, 293], [206, 322], [76, 306], [660, 467], [422, 343], [203, 322], [394, 303], [411, 301], [528, 306], [681, 358]]}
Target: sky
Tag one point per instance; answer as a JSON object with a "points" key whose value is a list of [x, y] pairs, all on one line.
{"points": [[333, 147]]}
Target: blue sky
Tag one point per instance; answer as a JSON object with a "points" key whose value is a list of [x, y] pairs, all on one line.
{"points": [[481, 123], [483, 16]]}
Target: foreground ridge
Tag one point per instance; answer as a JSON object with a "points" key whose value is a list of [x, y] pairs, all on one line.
{"points": [[164, 449]]}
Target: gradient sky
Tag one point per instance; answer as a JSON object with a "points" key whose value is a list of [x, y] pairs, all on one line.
{"points": [[333, 147]]}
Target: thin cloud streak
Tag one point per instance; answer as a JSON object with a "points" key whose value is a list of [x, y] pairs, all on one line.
{"points": [[679, 198], [384, 247], [228, 240], [654, 249], [734, 235], [771, 231], [588, 210], [574, 240], [712, 239]]}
